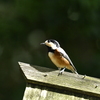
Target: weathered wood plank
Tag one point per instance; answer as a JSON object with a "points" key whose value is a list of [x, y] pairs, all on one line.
{"points": [[67, 81], [35, 92], [31, 94]]}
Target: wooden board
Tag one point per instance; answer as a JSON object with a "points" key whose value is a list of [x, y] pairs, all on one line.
{"points": [[68, 81]]}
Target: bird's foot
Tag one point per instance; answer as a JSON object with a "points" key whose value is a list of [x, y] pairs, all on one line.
{"points": [[61, 71]]}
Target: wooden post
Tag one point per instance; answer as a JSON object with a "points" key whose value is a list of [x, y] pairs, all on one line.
{"points": [[45, 84]]}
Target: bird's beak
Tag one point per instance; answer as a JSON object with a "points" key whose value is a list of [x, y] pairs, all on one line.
{"points": [[42, 43]]}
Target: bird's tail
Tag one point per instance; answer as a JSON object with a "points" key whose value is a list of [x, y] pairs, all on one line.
{"points": [[73, 69], [76, 72]]}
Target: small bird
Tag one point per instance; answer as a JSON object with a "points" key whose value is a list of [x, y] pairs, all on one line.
{"points": [[58, 56]]}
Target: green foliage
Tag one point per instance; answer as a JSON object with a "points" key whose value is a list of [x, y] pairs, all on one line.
{"points": [[24, 24]]}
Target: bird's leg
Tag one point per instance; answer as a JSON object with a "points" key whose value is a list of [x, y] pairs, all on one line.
{"points": [[61, 71], [59, 68]]}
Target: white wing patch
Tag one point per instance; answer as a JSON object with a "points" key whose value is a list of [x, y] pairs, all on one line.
{"points": [[65, 55], [62, 51]]}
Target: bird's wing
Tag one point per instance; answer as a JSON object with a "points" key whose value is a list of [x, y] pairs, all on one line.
{"points": [[65, 55]]}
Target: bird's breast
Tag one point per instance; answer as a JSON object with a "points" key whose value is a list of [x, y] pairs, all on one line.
{"points": [[53, 58], [58, 60]]}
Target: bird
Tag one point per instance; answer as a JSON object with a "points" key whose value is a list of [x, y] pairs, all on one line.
{"points": [[59, 57]]}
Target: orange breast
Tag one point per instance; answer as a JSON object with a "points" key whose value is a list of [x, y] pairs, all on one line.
{"points": [[59, 60]]}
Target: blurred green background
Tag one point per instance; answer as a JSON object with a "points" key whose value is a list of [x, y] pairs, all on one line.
{"points": [[24, 24]]}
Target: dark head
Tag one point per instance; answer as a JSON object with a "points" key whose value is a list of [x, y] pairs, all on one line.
{"points": [[51, 43]]}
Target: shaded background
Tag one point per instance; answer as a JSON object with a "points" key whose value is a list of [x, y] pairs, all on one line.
{"points": [[24, 24]]}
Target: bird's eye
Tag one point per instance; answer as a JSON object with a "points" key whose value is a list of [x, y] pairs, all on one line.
{"points": [[48, 41]]}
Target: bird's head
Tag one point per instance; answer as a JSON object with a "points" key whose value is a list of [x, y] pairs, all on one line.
{"points": [[51, 43]]}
